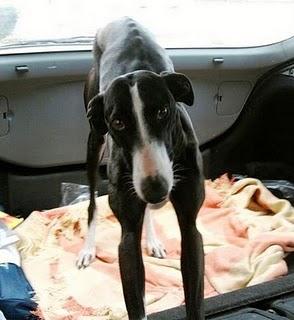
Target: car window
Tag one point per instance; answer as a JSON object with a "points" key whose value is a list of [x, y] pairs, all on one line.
{"points": [[175, 23]]}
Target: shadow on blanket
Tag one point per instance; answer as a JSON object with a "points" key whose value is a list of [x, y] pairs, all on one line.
{"points": [[247, 233]]}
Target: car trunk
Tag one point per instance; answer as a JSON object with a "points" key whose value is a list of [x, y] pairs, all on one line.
{"points": [[258, 144]]}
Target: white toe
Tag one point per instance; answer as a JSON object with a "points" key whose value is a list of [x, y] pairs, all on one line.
{"points": [[156, 249], [85, 257]]}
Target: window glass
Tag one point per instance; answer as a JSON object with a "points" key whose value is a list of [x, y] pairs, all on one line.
{"points": [[175, 23]]}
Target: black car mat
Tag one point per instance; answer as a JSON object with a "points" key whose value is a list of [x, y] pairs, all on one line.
{"points": [[290, 262], [250, 296]]}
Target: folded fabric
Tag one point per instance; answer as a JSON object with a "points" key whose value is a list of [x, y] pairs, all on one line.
{"points": [[2, 316], [247, 232], [8, 251], [10, 221], [16, 293]]}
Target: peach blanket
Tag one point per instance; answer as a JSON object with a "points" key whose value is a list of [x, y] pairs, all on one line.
{"points": [[247, 233]]}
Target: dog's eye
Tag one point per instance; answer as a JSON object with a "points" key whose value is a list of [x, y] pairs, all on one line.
{"points": [[162, 113], [117, 124]]}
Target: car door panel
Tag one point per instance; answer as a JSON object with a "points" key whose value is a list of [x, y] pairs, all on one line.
{"points": [[47, 122]]}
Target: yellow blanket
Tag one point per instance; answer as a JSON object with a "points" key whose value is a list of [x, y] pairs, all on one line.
{"points": [[247, 232]]}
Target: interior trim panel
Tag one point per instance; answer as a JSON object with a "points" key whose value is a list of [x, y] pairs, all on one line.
{"points": [[45, 123]]}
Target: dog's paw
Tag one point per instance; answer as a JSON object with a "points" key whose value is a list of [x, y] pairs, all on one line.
{"points": [[155, 248], [85, 257]]}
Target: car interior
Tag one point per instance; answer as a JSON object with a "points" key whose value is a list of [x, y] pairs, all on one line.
{"points": [[242, 115]]}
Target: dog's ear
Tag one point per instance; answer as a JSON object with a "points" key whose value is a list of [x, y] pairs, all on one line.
{"points": [[180, 87], [95, 114]]}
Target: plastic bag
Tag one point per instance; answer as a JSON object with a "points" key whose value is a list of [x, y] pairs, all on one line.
{"points": [[74, 193], [282, 189]]}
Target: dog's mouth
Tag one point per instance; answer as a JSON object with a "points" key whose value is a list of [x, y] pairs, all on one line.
{"points": [[155, 200], [159, 204]]}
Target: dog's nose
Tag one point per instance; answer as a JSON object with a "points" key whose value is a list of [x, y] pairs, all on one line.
{"points": [[154, 189]]}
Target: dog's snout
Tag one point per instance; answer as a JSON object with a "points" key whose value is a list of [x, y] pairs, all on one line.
{"points": [[154, 189]]}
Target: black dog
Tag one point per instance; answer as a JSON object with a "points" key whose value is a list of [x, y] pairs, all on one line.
{"points": [[134, 96]]}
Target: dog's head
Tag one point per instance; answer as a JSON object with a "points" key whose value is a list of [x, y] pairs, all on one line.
{"points": [[139, 111]]}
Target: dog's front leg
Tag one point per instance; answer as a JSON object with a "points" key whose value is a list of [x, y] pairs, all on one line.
{"points": [[88, 252], [187, 198], [130, 213], [153, 244], [132, 271]]}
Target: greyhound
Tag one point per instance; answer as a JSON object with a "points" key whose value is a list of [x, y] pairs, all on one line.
{"points": [[134, 97]]}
